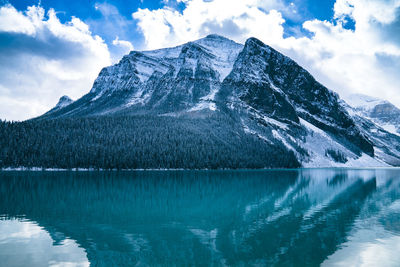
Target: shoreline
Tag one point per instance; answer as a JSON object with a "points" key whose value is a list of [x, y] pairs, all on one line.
{"points": [[38, 169]]}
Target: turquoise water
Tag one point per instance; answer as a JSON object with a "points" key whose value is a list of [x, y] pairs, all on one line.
{"points": [[309, 217]]}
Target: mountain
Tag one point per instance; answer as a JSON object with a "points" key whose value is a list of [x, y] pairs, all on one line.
{"points": [[380, 111], [210, 103], [379, 120]]}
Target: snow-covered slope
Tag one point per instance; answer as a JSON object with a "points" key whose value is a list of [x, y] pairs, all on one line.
{"points": [[380, 121], [261, 92], [380, 111]]}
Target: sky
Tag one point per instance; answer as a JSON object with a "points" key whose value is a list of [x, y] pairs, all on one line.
{"points": [[51, 48]]}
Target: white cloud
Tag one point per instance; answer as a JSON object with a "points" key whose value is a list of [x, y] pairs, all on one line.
{"points": [[43, 59], [364, 60], [13, 21], [354, 61], [126, 45], [166, 26]]}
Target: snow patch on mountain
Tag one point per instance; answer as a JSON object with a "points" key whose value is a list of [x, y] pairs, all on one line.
{"points": [[137, 98], [318, 142], [390, 128], [146, 68], [278, 136], [204, 105], [275, 122], [208, 101], [247, 130]]}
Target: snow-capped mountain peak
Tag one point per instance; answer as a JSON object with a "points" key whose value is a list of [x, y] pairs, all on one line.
{"points": [[63, 102]]}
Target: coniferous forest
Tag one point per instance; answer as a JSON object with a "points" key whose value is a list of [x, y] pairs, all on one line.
{"points": [[136, 142]]}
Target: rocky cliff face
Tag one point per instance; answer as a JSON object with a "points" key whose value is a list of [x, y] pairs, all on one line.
{"points": [[260, 91]]}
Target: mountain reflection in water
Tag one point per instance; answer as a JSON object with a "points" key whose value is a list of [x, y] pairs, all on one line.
{"points": [[278, 217]]}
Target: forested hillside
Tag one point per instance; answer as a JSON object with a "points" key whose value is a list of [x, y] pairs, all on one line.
{"points": [[136, 142]]}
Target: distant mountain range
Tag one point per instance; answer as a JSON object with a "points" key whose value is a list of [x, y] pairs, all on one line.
{"points": [[210, 103], [382, 112]]}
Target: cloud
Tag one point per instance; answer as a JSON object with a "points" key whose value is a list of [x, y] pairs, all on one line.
{"points": [[359, 60], [43, 59], [126, 45], [166, 26]]}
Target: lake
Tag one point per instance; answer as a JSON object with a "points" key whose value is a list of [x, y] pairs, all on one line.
{"points": [[305, 217]]}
